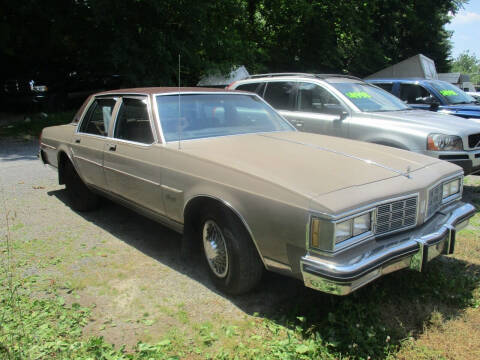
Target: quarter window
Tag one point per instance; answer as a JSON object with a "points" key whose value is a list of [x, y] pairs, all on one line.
{"points": [[98, 117], [415, 94], [280, 94], [314, 98], [252, 87], [133, 122]]}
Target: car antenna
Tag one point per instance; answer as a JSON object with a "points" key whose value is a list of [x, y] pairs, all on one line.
{"points": [[179, 111]]}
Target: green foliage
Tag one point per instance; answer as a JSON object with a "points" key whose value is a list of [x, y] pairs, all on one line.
{"points": [[33, 124], [141, 39], [467, 63]]}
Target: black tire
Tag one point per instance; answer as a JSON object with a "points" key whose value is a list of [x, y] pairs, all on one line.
{"points": [[80, 196], [244, 268]]}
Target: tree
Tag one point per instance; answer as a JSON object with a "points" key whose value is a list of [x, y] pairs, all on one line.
{"points": [[467, 63]]}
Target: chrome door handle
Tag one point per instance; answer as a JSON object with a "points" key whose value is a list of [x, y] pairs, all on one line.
{"points": [[112, 147], [77, 141]]}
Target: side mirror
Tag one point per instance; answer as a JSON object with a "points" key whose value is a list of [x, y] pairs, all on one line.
{"points": [[342, 116], [434, 106]]}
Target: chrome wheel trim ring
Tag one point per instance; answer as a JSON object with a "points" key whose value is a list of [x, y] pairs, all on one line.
{"points": [[215, 248]]}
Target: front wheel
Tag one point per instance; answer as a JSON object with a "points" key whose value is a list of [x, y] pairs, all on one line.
{"points": [[233, 262]]}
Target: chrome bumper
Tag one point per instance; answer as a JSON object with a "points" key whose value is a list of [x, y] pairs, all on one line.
{"points": [[412, 249]]}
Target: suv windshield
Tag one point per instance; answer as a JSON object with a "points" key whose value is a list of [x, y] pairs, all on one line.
{"points": [[452, 94], [208, 115], [369, 98]]}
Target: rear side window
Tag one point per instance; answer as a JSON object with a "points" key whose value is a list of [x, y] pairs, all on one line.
{"points": [[415, 94], [98, 117], [280, 94], [133, 122]]}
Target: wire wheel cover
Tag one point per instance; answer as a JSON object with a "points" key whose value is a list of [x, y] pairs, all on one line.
{"points": [[215, 248]]}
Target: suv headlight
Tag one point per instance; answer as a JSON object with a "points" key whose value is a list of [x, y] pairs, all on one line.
{"points": [[441, 142], [40, 88]]}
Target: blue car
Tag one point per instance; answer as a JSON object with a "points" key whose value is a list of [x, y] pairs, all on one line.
{"points": [[434, 95]]}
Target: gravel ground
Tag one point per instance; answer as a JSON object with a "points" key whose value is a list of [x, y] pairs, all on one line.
{"points": [[125, 265]]}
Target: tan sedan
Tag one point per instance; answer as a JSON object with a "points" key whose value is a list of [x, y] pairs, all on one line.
{"points": [[227, 171]]}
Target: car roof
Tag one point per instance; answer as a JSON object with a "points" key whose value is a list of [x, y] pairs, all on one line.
{"points": [[161, 90]]}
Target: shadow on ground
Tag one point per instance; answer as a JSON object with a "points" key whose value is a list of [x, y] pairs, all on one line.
{"points": [[371, 321]]}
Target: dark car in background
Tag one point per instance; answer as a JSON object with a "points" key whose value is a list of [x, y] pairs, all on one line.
{"points": [[435, 95], [54, 90]]}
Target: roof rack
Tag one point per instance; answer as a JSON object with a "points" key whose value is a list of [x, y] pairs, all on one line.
{"points": [[320, 76], [280, 74], [324, 76]]}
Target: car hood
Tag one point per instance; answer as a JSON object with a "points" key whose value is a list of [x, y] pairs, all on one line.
{"points": [[431, 121], [467, 110], [307, 164]]}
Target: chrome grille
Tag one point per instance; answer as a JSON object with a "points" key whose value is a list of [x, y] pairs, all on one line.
{"points": [[434, 199], [396, 215]]}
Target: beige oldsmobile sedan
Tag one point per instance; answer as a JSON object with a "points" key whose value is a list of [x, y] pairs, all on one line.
{"points": [[243, 185]]}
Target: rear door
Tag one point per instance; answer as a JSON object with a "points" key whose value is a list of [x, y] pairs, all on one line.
{"points": [[90, 138], [131, 163]]}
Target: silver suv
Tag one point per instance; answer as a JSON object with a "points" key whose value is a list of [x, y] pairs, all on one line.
{"points": [[348, 107]]}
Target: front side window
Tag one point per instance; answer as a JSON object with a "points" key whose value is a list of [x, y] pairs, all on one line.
{"points": [[415, 94], [385, 86], [98, 117], [314, 98], [280, 94], [369, 98], [133, 123], [452, 94], [194, 116]]}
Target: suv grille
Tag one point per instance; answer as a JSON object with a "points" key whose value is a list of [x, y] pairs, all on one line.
{"points": [[434, 199], [473, 141], [396, 215]]}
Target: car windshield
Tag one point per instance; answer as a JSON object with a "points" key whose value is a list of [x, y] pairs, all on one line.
{"points": [[369, 98], [452, 94], [216, 114]]}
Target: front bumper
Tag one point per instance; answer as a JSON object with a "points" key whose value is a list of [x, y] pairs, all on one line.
{"points": [[469, 160], [413, 249]]}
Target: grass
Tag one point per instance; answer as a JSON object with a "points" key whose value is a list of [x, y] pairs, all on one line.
{"points": [[32, 124], [405, 315]]}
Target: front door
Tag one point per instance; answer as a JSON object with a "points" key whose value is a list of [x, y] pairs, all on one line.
{"points": [[318, 111]]}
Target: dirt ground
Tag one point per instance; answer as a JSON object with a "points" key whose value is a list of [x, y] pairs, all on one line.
{"points": [[125, 265]]}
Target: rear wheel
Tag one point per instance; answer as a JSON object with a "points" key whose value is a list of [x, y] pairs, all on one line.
{"points": [[233, 262], [80, 196]]}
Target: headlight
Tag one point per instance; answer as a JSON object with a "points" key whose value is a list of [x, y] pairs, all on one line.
{"points": [[40, 88], [355, 226], [330, 236], [441, 142], [451, 188]]}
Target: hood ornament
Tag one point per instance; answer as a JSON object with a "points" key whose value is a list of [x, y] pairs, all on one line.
{"points": [[407, 174]]}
